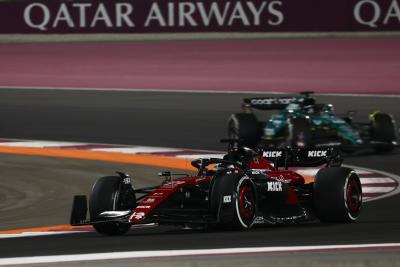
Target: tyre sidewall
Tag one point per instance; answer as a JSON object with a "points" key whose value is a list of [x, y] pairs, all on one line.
{"points": [[330, 195], [383, 127], [228, 184], [104, 197]]}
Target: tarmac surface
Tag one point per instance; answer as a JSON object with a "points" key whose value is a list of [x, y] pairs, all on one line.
{"points": [[172, 120]]}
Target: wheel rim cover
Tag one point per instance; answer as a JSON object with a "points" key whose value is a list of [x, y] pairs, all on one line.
{"points": [[246, 202], [353, 195]]}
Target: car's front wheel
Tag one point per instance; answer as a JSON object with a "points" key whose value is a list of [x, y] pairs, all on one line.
{"points": [[233, 200], [106, 196]]}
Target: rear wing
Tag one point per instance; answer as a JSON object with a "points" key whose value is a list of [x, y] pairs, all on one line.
{"points": [[303, 157], [268, 103]]}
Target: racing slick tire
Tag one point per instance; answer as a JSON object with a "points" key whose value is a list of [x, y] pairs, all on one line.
{"points": [[233, 200], [105, 197], [298, 132], [337, 195], [245, 128], [383, 129]]}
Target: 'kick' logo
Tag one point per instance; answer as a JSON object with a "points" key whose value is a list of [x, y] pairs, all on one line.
{"points": [[318, 153], [272, 154], [274, 186]]}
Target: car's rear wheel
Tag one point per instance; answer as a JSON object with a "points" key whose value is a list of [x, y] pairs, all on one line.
{"points": [[106, 196], [337, 195], [383, 129], [245, 128]]}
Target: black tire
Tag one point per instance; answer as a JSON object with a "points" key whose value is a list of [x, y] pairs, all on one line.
{"points": [[105, 197], [246, 128], [383, 129], [337, 195], [298, 133]]}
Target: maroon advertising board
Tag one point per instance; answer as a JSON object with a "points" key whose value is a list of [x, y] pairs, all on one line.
{"points": [[149, 16]]}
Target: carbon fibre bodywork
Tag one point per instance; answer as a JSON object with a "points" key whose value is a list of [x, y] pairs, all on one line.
{"points": [[245, 188]]}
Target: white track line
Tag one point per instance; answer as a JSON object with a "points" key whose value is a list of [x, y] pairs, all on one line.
{"points": [[197, 156], [377, 189], [190, 91], [376, 180], [40, 144], [136, 149], [198, 252], [33, 234]]}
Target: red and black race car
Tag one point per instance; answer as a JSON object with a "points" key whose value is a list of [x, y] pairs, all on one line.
{"points": [[243, 189]]}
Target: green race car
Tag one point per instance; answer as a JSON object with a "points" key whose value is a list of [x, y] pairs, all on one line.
{"points": [[302, 122]]}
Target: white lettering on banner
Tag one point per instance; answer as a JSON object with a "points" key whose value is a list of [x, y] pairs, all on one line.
{"points": [[74, 14], [393, 12], [256, 12], [238, 13], [214, 11], [171, 18], [64, 16], [372, 21], [101, 15], [45, 20], [155, 14], [122, 15], [224, 13], [278, 14], [186, 10], [82, 12]]}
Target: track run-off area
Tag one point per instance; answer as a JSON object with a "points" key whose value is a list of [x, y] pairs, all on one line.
{"points": [[330, 65]]}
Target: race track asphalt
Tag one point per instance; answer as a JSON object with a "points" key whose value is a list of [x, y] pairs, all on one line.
{"points": [[183, 120], [172, 120], [38, 191]]}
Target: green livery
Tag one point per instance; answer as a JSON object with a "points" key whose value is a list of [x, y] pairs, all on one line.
{"points": [[302, 122]]}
